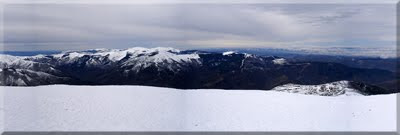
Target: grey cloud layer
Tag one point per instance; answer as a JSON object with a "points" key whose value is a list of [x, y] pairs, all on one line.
{"points": [[83, 26]]}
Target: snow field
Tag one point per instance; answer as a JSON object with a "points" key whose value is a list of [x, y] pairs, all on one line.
{"points": [[142, 108]]}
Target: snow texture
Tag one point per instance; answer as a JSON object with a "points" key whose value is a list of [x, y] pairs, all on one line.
{"points": [[141, 108], [7, 61], [158, 54], [328, 89], [138, 57], [1, 110]]}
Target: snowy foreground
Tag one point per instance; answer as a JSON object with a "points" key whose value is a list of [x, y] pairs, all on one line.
{"points": [[140, 108]]}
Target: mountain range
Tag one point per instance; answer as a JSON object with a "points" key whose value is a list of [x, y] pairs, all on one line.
{"points": [[190, 69]]}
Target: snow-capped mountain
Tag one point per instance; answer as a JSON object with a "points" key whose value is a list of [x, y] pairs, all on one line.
{"points": [[189, 69], [136, 58]]}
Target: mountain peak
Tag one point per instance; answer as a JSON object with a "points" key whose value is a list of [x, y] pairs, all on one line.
{"points": [[118, 54]]}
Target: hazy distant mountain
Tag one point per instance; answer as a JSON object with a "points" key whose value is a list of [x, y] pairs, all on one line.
{"points": [[169, 67], [353, 57]]}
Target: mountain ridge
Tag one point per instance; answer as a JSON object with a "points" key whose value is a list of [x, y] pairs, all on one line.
{"points": [[188, 69]]}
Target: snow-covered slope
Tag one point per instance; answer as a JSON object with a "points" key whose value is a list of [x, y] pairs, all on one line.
{"points": [[140, 58], [1, 110], [141, 108], [328, 89], [8, 61], [26, 77]]}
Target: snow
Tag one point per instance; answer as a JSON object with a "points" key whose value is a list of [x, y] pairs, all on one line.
{"points": [[58, 55], [114, 55], [8, 58], [246, 55], [27, 74], [139, 57], [279, 61], [35, 57], [329, 89], [1, 110], [142, 57], [73, 55], [228, 53], [8, 61], [141, 108]]}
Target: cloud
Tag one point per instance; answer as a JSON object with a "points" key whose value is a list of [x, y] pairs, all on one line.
{"points": [[83, 26]]}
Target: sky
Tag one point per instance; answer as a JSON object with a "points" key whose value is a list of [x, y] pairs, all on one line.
{"points": [[28, 27]]}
